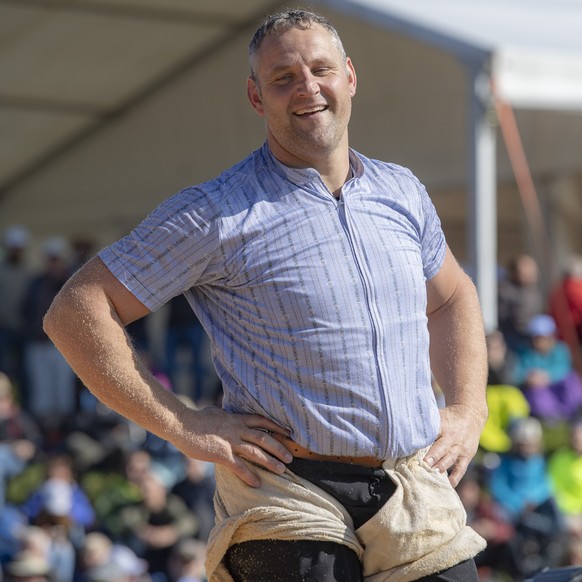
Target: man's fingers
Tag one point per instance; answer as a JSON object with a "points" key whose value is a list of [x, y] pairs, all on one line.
{"points": [[260, 422], [266, 443], [258, 456], [459, 469], [245, 474]]}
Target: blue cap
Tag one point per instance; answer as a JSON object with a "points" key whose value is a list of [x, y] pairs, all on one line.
{"points": [[541, 325]]}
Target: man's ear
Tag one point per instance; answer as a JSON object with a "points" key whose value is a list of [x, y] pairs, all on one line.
{"points": [[352, 78], [254, 95]]}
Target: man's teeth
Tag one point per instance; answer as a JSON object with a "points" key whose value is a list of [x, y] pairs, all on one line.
{"points": [[312, 110]]}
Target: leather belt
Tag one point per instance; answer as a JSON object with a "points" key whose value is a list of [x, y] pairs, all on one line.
{"points": [[303, 453]]}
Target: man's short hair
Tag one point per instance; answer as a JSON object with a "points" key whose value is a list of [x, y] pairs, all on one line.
{"points": [[286, 20]]}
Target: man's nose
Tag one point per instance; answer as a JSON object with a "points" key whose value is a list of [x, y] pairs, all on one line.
{"points": [[307, 84]]}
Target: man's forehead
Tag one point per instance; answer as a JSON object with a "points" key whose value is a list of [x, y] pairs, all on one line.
{"points": [[281, 48]]}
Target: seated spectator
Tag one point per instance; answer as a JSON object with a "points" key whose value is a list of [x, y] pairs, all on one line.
{"points": [[565, 470], [186, 562], [95, 552], [28, 567], [506, 404], [545, 373], [15, 423], [19, 438], [116, 489], [14, 457], [487, 519], [50, 543], [131, 566], [520, 484], [197, 492], [101, 559], [60, 500], [154, 525]]}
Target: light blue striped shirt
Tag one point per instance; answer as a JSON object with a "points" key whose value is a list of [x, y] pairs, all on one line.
{"points": [[316, 309]]}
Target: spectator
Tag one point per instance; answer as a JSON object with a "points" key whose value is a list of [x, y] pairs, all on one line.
{"points": [[49, 542], [51, 380], [94, 553], [131, 566], [197, 492], [101, 560], [154, 525], [28, 567], [19, 438], [505, 402], [15, 423], [519, 299], [14, 280], [487, 519], [186, 562], [520, 484], [116, 489], [499, 359], [61, 500], [566, 303], [565, 470], [544, 372]]}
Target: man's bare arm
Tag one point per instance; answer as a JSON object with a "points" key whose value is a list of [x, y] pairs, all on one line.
{"points": [[459, 364], [87, 324]]}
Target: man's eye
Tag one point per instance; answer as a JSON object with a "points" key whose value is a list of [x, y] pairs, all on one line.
{"points": [[321, 71], [282, 79]]}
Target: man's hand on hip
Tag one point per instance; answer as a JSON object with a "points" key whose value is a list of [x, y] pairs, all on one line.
{"points": [[225, 438]]}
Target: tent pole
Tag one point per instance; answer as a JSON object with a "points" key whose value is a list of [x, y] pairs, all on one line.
{"points": [[482, 218]]}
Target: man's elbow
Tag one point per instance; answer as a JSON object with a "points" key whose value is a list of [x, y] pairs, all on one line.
{"points": [[56, 317]]}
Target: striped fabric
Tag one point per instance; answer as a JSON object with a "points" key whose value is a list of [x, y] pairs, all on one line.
{"points": [[316, 309]]}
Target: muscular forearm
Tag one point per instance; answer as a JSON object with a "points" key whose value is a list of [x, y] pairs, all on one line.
{"points": [[86, 323], [87, 330]]}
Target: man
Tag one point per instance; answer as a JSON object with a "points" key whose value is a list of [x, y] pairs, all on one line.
{"points": [[313, 270]]}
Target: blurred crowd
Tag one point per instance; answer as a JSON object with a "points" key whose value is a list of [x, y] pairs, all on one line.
{"points": [[87, 496]]}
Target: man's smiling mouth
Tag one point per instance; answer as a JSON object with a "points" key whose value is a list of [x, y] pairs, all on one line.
{"points": [[310, 110]]}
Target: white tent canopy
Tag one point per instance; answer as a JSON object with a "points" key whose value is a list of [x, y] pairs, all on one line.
{"points": [[534, 47], [108, 106]]}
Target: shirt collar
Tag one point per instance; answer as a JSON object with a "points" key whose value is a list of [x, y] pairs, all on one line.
{"points": [[302, 175]]}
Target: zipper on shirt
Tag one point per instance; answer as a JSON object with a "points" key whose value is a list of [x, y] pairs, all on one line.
{"points": [[344, 221]]}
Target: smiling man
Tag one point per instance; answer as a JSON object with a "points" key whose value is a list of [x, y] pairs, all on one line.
{"points": [[331, 299]]}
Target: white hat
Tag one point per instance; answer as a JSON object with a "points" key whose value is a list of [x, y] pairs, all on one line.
{"points": [[127, 561], [55, 247], [28, 563], [57, 496], [526, 430], [16, 237]]}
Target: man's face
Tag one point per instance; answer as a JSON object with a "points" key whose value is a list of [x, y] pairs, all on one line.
{"points": [[304, 91]]}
